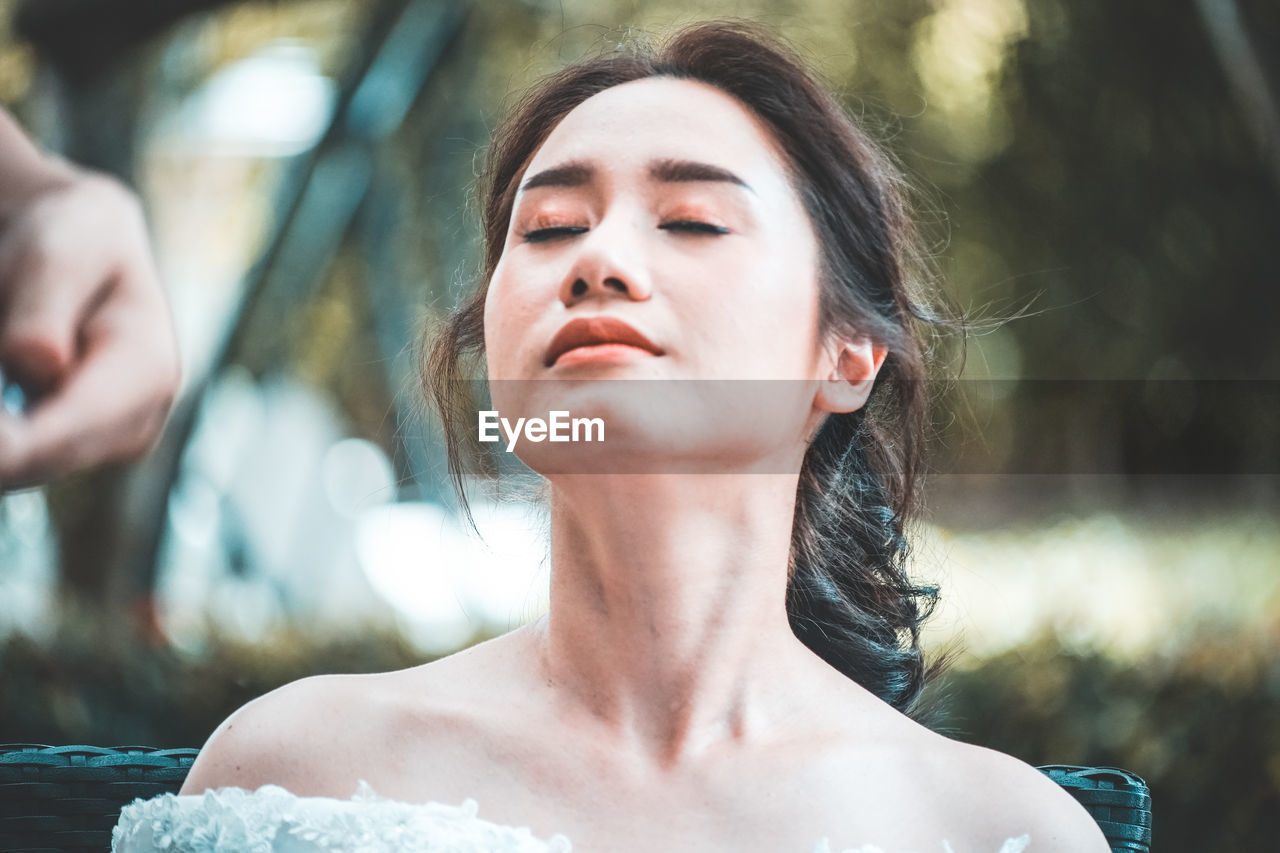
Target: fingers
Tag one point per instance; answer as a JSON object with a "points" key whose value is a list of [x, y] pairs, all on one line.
{"points": [[112, 406], [43, 296]]}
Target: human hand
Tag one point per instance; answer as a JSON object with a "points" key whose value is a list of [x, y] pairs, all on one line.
{"points": [[85, 329]]}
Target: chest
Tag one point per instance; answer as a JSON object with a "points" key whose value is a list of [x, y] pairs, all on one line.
{"points": [[710, 829], [553, 780], [604, 810]]}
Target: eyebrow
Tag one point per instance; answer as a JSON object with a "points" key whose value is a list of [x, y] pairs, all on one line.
{"points": [[572, 174], [680, 171], [576, 174]]}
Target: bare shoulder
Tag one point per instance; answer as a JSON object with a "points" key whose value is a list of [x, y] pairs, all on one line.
{"points": [[318, 736], [298, 736], [1002, 797]]}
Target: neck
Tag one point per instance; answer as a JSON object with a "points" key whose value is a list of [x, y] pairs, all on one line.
{"points": [[668, 621]]}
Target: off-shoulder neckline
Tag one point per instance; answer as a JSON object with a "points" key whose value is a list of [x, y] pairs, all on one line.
{"points": [[228, 798]]}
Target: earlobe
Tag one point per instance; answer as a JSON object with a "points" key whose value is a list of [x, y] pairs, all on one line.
{"points": [[849, 383]]}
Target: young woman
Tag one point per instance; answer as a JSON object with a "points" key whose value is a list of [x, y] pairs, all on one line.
{"points": [[730, 658]]}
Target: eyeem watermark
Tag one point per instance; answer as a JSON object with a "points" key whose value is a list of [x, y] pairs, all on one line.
{"points": [[560, 427]]}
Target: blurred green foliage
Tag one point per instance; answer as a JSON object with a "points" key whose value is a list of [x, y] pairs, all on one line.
{"points": [[73, 690]]}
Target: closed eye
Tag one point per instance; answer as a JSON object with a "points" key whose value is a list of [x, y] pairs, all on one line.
{"points": [[541, 235], [694, 227]]}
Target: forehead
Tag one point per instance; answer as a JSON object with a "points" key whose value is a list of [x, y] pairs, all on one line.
{"points": [[631, 124]]}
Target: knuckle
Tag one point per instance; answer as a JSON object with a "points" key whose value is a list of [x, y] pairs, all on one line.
{"points": [[109, 185], [128, 201], [38, 250], [114, 198]]}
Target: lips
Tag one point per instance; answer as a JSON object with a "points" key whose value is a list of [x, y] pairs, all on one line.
{"points": [[592, 331]]}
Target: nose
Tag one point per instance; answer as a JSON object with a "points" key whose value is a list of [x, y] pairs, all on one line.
{"points": [[609, 263]]}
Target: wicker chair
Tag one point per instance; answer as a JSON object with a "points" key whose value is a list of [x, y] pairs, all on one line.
{"points": [[67, 798]]}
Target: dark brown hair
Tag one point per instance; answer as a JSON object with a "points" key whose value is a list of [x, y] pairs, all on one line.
{"points": [[849, 598]]}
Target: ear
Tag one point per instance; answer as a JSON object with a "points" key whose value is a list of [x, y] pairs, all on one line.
{"points": [[855, 364]]}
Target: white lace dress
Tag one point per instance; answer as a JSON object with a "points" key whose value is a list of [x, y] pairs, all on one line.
{"points": [[272, 820]]}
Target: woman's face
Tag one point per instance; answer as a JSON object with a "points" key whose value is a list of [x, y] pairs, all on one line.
{"points": [[664, 205]]}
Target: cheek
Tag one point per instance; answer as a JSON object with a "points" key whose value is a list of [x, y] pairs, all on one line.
{"points": [[498, 324], [797, 295], [771, 297], [517, 285]]}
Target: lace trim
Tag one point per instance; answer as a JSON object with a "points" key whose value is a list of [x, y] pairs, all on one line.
{"points": [[273, 820]]}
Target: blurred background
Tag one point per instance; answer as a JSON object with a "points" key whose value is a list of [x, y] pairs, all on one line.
{"points": [[1103, 508]]}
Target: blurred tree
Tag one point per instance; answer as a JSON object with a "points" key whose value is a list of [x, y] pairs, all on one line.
{"points": [[1133, 205]]}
